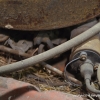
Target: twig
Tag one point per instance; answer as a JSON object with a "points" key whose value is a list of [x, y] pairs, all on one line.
{"points": [[74, 90], [90, 97], [34, 51]]}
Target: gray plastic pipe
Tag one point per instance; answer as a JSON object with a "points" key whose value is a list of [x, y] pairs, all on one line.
{"points": [[52, 52], [90, 88], [86, 70]]}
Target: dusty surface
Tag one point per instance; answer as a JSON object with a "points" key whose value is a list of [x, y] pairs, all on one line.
{"points": [[46, 14]]}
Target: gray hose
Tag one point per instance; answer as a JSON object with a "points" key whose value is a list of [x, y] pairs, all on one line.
{"points": [[86, 70], [90, 88], [52, 52]]}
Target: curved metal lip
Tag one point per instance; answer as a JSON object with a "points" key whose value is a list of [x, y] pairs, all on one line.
{"points": [[34, 15]]}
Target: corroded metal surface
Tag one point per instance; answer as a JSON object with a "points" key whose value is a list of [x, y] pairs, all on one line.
{"points": [[46, 14], [11, 89]]}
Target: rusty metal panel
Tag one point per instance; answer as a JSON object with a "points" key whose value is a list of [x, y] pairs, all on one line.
{"points": [[46, 14]]}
